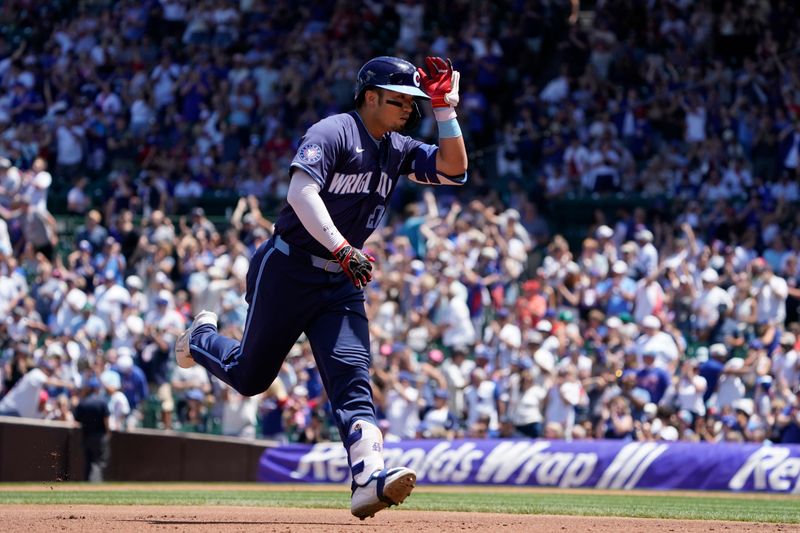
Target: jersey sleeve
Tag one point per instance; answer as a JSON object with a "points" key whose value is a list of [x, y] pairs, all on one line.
{"points": [[318, 151], [419, 164], [411, 152]]}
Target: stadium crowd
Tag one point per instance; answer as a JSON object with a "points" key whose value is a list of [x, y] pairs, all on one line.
{"points": [[675, 323]]}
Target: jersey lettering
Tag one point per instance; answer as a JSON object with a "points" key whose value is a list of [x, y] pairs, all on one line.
{"points": [[384, 185], [356, 180], [350, 183], [375, 217]]}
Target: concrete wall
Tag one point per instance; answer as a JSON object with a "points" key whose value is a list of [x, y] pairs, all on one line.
{"points": [[32, 450]]}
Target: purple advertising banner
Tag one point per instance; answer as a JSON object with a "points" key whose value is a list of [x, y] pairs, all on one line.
{"points": [[602, 464]]}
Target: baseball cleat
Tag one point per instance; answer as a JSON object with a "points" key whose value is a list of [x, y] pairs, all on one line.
{"points": [[384, 488], [182, 354]]}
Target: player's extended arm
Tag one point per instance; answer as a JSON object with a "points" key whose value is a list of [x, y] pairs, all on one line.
{"points": [[440, 82], [304, 198]]}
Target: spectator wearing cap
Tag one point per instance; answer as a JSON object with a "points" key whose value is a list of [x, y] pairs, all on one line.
{"points": [[786, 365], [402, 405], [650, 296], [482, 399], [164, 316], [456, 370], [787, 423], [711, 368], [654, 340], [531, 306], [195, 417], [92, 414], [81, 263], [592, 259], [40, 182], [690, 389], [118, 406], [135, 287], [652, 378], [200, 222], [563, 397], [551, 341], [646, 261], [618, 292], [771, 292], [605, 243], [155, 362], [110, 298], [730, 387], [439, 420], [708, 303], [457, 327], [505, 336], [525, 397], [134, 382]]}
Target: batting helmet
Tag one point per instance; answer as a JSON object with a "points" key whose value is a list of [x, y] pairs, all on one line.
{"points": [[391, 73]]}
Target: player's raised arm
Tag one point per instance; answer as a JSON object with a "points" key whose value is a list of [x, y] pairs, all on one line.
{"points": [[440, 82]]}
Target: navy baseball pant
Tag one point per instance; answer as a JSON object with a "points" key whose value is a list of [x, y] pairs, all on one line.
{"points": [[290, 292]]}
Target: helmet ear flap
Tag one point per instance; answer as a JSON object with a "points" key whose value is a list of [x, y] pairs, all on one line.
{"points": [[413, 119]]}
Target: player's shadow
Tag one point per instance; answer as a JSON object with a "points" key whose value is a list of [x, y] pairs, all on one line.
{"points": [[153, 522]]}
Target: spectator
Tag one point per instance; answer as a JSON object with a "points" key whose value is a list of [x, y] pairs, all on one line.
{"points": [[24, 397], [586, 112]]}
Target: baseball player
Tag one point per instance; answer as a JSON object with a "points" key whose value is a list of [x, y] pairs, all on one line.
{"points": [[310, 276]]}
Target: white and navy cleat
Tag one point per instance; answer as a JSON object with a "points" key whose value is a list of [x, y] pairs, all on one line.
{"points": [[384, 488], [182, 354]]}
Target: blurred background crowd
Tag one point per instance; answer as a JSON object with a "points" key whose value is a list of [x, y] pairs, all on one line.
{"points": [[669, 312]]}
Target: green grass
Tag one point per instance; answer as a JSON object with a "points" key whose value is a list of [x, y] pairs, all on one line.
{"points": [[640, 505]]}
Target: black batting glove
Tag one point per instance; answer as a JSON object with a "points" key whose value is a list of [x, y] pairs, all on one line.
{"points": [[355, 263]]}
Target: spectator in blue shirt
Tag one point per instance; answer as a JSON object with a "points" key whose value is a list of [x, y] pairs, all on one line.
{"points": [[134, 383], [651, 378]]}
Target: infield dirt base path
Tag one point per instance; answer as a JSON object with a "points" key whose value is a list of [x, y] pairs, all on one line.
{"points": [[35, 518]]}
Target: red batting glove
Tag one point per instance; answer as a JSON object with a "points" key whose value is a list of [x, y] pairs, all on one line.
{"points": [[440, 82]]}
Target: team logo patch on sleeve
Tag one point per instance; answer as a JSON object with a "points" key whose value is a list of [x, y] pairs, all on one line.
{"points": [[310, 153]]}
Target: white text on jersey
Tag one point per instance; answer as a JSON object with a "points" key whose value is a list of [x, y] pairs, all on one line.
{"points": [[350, 183], [359, 183]]}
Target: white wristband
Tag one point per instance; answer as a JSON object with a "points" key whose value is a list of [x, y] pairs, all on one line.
{"points": [[443, 114]]}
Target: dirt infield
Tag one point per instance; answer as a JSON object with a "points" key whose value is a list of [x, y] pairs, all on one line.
{"points": [[143, 518], [35, 518], [30, 518]]}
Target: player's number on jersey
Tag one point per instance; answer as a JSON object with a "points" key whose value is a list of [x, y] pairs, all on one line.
{"points": [[375, 217]]}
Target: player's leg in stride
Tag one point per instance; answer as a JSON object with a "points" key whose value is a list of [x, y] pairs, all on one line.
{"points": [[374, 487], [183, 357]]}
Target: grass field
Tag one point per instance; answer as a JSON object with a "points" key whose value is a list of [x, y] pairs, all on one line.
{"points": [[705, 506]]}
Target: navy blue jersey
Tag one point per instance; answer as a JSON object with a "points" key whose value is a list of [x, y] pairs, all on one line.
{"points": [[357, 176]]}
